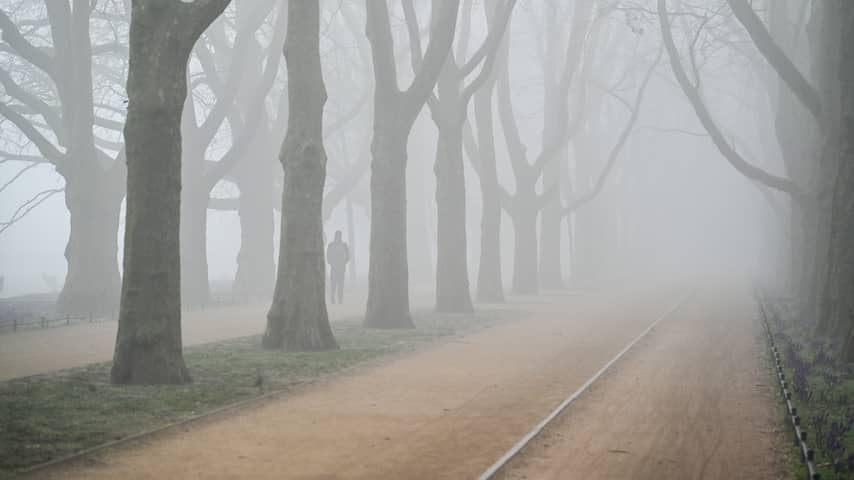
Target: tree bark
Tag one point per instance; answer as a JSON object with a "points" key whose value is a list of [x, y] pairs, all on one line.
{"points": [[388, 270], [837, 312], [148, 343], [298, 319]]}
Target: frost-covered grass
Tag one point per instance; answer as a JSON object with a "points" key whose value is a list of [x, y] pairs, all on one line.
{"points": [[50, 416]]}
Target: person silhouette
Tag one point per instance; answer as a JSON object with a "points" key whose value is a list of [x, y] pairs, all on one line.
{"points": [[337, 256]]}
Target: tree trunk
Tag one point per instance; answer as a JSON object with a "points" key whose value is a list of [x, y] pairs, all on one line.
{"points": [[93, 282], [827, 282], [388, 273], [148, 342], [489, 278], [298, 319], [255, 274], [452, 282], [551, 275], [525, 277], [841, 318]]}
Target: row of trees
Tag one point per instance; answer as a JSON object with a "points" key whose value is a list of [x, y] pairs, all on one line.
{"points": [[148, 343], [189, 100]]}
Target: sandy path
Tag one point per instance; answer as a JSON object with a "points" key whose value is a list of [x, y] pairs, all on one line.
{"points": [[692, 401], [445, 412]]}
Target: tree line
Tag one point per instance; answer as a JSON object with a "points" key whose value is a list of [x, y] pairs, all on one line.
{"points": [[206, 105]]}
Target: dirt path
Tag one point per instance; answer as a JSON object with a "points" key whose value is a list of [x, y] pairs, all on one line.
{"points": [[445, 412], [692, 401]]}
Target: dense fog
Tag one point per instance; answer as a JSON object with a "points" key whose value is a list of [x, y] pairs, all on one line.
{"points": [[670, 199]]}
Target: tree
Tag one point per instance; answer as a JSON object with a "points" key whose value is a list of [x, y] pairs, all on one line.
{"points": [[238, 99], [846, 78], [394, 113], [298, 319], [525, 204], [481, 153], [51, 103], [555, 119], [148, 343], [449, 108], [694, 96]]}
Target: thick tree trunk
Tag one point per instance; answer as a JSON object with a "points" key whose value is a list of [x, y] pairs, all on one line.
{"points": [[255, 265], [452, 282], [298, 319], [388, 274], [837, 321], [525, 276], [148, 345], [489, 278], [828, 283], [148, 342], [92, 284]]}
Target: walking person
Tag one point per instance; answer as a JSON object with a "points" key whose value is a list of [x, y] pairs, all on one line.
{"points": [[337, 256]]}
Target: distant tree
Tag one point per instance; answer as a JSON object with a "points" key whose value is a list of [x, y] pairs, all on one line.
{"points": [[525, 204], [148, 343], [237, 69], [59, 87], [298, 319], [395, 112], [449, 108]]}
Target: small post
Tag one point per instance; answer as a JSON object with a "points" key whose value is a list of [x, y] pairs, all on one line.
{"points": [[67, 319]]}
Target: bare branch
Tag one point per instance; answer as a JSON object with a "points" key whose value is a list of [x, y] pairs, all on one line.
{"points": [[745, 168], [28, 207], [618, 147]]}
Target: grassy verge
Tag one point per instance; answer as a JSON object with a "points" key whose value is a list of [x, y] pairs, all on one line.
{"points": [[50, 416], [823, 392]]}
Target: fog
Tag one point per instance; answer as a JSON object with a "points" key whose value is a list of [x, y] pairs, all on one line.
{"points": [[674, 198], [240, 197]]}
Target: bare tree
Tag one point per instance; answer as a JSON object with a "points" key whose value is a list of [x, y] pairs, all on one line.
{"points": [[694, 96], [298, 319], [148, 344], [525, 204], [394, 113], [51, 102], [239, 101], [449, 108]]}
